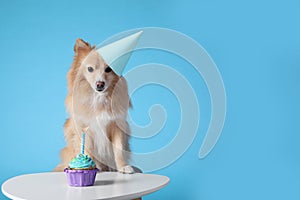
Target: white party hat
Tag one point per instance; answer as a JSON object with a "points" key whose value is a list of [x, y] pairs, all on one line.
{"points": [[117, 54]]}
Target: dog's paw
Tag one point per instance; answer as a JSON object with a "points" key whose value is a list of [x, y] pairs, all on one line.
{"points": [[127, 169]]}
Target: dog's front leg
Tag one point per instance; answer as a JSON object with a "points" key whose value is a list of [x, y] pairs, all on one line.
{"points": [[121, 152]]}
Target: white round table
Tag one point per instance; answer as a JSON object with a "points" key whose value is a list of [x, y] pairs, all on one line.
{"points": [[108, 185]]}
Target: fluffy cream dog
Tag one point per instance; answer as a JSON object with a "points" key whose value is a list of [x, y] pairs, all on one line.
{"points": [[97, 98]]}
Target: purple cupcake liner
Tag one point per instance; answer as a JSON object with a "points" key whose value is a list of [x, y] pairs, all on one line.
{"points": [[80, 178]]}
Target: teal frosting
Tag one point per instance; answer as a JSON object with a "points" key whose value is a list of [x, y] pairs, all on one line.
{"points": [[82, 161]]}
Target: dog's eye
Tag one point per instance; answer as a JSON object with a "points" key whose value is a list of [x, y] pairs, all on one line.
{"points": [[107, 69], [90, 69]]}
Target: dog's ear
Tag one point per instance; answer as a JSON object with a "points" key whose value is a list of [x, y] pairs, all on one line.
{"points": [[81, 45]]}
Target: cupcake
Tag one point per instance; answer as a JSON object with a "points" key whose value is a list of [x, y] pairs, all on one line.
{"points": [[82, 169]]}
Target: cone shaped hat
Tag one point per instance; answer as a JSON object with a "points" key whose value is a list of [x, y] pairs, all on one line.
{"points": [[117, 54]]}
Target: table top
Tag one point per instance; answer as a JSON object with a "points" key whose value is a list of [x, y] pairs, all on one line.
{"points": [[108, 185]]}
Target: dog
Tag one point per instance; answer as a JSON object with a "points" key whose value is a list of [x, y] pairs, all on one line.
{"points": [[98, 99]]}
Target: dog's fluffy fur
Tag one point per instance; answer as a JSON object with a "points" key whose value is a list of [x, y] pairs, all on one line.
{"points": [[104, 112]]}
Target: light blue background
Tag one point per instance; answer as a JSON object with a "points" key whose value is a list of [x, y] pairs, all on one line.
{"points": [[255, 44]]}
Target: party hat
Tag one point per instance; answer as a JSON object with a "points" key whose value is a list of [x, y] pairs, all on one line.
{"points": [[117, 54]]}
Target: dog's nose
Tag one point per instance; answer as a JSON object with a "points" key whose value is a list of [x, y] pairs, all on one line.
{"points": [[100, 85]]}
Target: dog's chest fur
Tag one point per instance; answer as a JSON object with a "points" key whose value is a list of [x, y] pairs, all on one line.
{"points": [[94, 110], [102, 146]]}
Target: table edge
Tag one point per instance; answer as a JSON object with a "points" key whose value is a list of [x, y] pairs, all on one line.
{"points": [[127, 196]]}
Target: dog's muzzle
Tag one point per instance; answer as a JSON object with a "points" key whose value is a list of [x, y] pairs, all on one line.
{"points": [[100, 86]]}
